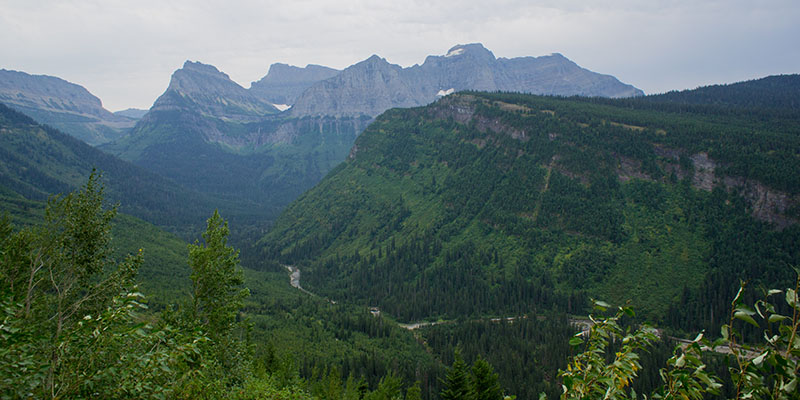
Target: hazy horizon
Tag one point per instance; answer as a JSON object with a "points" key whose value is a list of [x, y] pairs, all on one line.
{"points": [[125, 53]]}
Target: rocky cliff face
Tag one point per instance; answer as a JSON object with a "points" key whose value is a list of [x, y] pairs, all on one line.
{"points": [[64, 105], [203, 89], [284, 83], [373, 86], [367, 88]]}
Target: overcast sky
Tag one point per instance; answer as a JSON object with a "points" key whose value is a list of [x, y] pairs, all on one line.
{"points": [[125, 51]]}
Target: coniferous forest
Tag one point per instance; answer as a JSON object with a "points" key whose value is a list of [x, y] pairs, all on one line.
{"points": [[488, 245]]}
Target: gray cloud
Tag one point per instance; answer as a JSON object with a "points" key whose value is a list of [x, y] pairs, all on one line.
{"points": [[124, 51]]}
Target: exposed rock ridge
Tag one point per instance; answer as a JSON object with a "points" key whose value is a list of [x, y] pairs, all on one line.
{"points": [[64, 105], [284, 83], [374, 85], [202, 88]]}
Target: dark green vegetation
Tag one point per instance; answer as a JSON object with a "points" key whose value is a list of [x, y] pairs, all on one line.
{"points": [[610, 362], [74, 323], [37, 161], [501, 204], [304, 334], [773, 92]]}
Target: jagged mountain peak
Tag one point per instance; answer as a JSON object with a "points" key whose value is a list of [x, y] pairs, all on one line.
{"points": [[471, 50], [373, 60], [284, 82], [380, 85], [198, 76], [201, 67], [285, 73], [202, 88]]}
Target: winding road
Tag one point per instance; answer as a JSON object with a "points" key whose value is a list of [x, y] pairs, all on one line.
{"points": [[584, 324]]}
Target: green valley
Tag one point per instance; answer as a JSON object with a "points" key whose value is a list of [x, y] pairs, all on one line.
{"points": [[456, 240], [520, 202]]}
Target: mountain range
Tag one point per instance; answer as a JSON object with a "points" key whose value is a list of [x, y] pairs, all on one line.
{"points": [[214, 136], [374, 85], [63, 105]]}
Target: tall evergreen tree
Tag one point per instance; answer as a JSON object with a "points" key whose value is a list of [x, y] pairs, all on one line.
{"points": [[414, 392], [456, 383], [484, 381]]}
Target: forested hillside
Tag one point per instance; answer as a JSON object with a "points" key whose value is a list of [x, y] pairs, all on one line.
{"points": [[504, 204], [293, 335], [38, 161]]}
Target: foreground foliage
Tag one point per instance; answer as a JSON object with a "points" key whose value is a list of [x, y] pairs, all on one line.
{"points": [[770, 370], [73, 323], [72, 318]]}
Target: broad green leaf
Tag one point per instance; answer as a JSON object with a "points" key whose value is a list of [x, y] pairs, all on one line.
{"points": [[777, 318], [575, 341], [746, 310], [628, 311], [744, 316], [681, 361], [790, 387], [791, 297], [601, 305], [760, 359]]}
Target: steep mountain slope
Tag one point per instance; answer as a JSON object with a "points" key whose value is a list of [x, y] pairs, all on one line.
{"points": [[38, 161], [208, 133], [500, 204], [366, 88], [283, 83], [373, 86], [212, 135], [63, 105], [203, 89]]}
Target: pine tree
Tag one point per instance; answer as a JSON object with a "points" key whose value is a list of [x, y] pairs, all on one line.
{"points": [[414, 392], [484, 381], [457, 381]]}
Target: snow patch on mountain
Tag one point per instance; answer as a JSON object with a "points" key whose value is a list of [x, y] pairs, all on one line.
{"points": [[455, 52]]}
